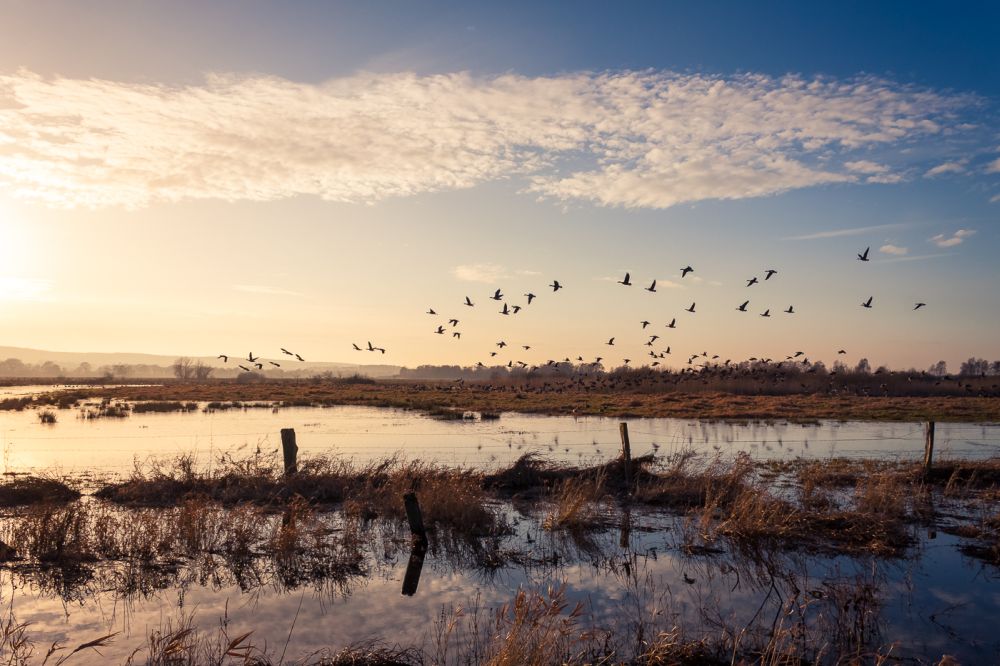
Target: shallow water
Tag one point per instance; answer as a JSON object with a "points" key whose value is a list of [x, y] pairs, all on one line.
{"points": [[940, 602], [113, 445], [936, 602]]}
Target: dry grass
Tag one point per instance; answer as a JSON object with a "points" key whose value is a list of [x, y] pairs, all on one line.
{"points": [[618, 400], [24, 490], [575, 505]]}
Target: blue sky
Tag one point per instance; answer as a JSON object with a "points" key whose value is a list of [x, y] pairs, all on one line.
{"points": [[234, 170]]}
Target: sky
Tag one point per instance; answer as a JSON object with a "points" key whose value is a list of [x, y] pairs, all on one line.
{"points": [[204, 178]]}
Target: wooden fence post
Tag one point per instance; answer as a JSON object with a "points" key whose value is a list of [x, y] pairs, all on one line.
{"points": [[928, 447], [415, 518], [290, 451], [626, 455], [413, 568]]}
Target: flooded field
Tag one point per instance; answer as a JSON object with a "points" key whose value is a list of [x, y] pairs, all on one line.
{"points": [[110, 445], [583, 568]]}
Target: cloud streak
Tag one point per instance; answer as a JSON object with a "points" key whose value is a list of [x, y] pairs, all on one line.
{"points": [[852, 231], [956, 238], [632, 139], [488, 273], [895, 250]]}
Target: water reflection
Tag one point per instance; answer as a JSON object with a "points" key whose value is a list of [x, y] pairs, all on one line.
{"points": [[634, 579], [113, 445]]}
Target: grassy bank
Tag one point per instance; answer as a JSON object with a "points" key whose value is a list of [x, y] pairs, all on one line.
{"points": [[554, 399]]}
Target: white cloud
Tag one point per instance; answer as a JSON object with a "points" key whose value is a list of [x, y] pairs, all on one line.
{"points": [[896, 250], [490, 273], [885, 178], [634, 139], [994, 166], [264, 289], [946, 167], [853, 231], [866, 166], [995, 198], [955, 239]]}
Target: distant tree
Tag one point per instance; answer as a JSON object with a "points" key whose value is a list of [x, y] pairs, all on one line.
{"points": [[995, 368], [939, 369], [121, 370], [863, 367], [974, 367], [202, 371], [84, 370], [183, 368]]}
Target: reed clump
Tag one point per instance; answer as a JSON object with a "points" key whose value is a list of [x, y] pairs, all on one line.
{"points": [[164, 406], [575, 505], [24, 490]]}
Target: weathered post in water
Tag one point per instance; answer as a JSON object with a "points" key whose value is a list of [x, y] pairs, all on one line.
{"points": [[928, 447], [415, 518], [290, 451], [413, 568], [626, 455]]}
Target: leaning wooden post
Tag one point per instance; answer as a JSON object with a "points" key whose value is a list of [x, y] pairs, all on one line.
{"points": [[290, 450], [415, 518], [626, 455], [928, 447]]}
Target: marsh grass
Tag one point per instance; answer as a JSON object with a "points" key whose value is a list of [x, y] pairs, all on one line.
{"points": [[164, 406], [24, 490], [575, 504]]}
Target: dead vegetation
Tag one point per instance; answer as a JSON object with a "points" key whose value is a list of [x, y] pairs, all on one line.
{"points": [[24, 490], [618, 397]]}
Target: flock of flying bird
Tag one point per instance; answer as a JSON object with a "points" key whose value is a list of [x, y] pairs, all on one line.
{"points": [[513, 309], [509, 309]]}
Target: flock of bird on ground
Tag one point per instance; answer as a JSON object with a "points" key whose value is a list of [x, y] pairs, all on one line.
{"points": [[509, 309]]}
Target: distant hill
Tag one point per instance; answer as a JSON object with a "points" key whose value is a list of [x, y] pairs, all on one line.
{"points": [[70, 362]]}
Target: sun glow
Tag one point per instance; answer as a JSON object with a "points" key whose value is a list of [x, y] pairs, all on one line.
{"points": [[18, 257]]}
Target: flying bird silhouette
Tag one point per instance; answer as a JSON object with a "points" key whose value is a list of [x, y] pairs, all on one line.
{"points": [[919, 305], [644, 323], [453, 322], [440, 330], [299, 357], [285, 351], [625, 281], [555, 285], [610, 342], [277, 365], [356, 347], [690, 309], [245, 368], [506, 310], [686, 270], [769, 272], [651, 288], [497, 296], [752, 281], [530, 297], [252, 358], [225, 359], [468, 301], [790, 310], [673, 323], [430, 311], [743, 307], [864, 255], [766, 313], [868, 303]]}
